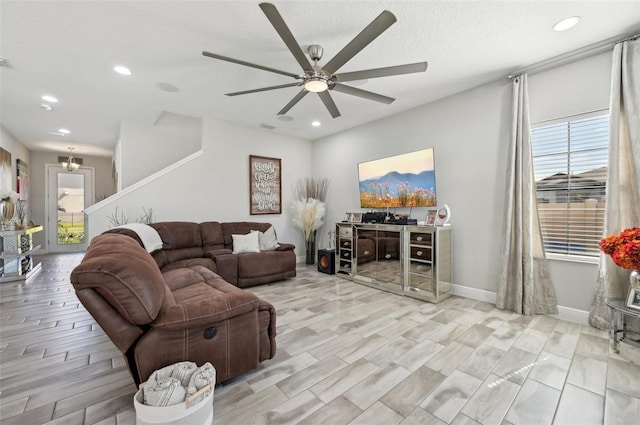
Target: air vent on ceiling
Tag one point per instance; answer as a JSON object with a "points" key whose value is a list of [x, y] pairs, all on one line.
{"points": [[4, 63], [267, 126]]}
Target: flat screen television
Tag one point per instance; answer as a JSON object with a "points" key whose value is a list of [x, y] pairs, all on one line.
{"points": [[407, 180]]}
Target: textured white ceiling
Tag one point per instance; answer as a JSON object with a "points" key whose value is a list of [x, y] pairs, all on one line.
{"points": [[68, 49]]}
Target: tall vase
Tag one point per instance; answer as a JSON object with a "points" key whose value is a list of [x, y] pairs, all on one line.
{"points": [[6, 213], [311, 249], [634, 279]]}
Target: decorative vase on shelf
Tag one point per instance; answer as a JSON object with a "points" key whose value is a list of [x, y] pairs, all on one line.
{"points": [[6, 213], [634, 279], [311, 249]]}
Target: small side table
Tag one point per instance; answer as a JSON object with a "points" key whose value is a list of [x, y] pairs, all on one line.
{"points": [[619, 319]]}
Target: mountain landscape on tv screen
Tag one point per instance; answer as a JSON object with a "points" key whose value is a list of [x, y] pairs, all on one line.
{"points": [[396, 189]]}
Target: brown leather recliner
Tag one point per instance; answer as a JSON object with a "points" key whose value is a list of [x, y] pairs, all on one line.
{"points": [[185, 313]]}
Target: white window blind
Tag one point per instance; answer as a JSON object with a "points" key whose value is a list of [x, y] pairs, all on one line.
{"points": [[570, 166]]}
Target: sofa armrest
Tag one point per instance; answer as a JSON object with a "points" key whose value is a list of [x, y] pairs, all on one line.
{"points": [[227, 266], [286, 247], [121, 332], [268, 342]]}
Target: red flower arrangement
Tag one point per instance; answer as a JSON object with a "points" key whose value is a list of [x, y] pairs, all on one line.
{"points": [[624, 249]]}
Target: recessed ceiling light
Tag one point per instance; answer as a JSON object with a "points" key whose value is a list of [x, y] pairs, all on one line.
{"points": [[316, 123], [566, 23], [122, 70], [63, 131], [46, 107], [56, 133], [49, 98]]}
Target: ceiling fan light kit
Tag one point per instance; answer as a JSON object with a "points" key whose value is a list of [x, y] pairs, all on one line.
{"points": [[316, 84], [322, 80]]}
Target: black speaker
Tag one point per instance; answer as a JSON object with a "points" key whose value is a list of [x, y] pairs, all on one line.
{"points": [[327, 261]]}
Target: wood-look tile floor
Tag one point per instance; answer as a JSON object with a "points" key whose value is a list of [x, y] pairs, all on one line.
{"points": [[347, 354]]}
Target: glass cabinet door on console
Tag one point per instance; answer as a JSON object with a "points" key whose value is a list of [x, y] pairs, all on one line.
{"points": [[377, 260], [428, 259], [366, 267]]}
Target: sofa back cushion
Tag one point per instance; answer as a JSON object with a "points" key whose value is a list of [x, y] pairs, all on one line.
{"points": [[180, 240], [178, 234], [124, 274], [212, 236], [240, 228]]}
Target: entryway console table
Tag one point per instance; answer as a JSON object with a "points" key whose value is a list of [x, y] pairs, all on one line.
{"points": [[411, 260], [16, 249]]}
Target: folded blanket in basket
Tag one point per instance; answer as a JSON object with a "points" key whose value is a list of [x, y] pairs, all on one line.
{"points": [[172, 384]]}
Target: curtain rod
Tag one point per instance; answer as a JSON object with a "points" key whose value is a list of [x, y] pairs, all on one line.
{"points": [[575, 55]]}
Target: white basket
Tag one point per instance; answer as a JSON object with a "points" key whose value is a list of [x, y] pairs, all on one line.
{"points": [[185, 413]]}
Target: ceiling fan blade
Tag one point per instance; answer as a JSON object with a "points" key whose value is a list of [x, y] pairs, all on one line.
{"points": [[293, 101], [328, 102], [282, 86], [382, 72], [363, 93], [366, 36], [285, 34], [252, 65]]}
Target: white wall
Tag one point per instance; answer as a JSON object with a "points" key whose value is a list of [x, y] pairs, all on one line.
{"points": [[469, 132], [17, 151], [215, 185], [143, 149]]}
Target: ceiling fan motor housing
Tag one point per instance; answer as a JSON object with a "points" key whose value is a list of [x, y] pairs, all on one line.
{"points": [[315, 52]]}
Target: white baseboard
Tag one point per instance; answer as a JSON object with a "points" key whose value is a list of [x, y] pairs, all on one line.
{"points": [[564, 313], [474, 293], [572, 315]]}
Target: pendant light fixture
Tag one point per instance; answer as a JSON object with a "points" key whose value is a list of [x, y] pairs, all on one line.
{"points": [[70, 164]]}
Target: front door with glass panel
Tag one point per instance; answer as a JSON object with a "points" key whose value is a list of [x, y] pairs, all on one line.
{"points": [[69, 193]]}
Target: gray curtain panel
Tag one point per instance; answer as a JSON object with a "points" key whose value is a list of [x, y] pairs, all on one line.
{"points": [[524, 285], [623, 174]]}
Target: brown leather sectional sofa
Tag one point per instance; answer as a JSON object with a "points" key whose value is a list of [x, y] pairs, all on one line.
{"points": [[183, 302]]}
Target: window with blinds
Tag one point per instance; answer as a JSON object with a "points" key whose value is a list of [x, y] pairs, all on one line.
{"points": [[570, 166]]}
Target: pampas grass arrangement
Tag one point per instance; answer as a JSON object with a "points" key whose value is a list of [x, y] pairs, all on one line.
{"points": [[308, 210], [312, 188], [307, 215]]}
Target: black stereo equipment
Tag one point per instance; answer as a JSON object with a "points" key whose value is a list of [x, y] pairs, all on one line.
{"points": [[374, 217], [382, 218], [402, 220], [327, 261]]}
